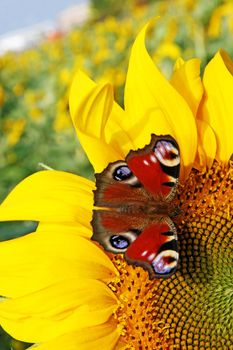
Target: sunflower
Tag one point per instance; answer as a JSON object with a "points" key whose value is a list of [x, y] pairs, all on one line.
{"points": [[60, 290]]}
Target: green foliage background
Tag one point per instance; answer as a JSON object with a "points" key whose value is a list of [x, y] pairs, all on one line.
{"points": [[34, 118]]}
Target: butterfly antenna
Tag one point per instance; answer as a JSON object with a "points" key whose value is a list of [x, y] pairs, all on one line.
{"points": [[45, 166]]}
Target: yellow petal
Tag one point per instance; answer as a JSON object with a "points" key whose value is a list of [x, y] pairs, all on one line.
{"points": [[65, 227], [38, 260], [50, 196], [97, 104], [111, 140], [93, 114], [100, 154], [178, 64], [102, 337], [116, 132], [207, 146], [154, 105], [187, 81], [216, 107], [60, 308]]}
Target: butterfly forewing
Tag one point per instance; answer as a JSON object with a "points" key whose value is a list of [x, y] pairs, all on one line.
{"points": [[157, 166]]}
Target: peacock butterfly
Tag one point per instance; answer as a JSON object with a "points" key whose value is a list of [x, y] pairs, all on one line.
{"points": [[133, 208]]}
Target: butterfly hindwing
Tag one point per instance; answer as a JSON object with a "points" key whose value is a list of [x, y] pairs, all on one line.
{"points": [[133, 209], [150, 243], [115, 230], [156, 249]]}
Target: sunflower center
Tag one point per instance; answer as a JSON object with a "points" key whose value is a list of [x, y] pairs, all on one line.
{"points": [[191, 310]]}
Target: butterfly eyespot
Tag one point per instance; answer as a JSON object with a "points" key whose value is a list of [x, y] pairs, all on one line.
{"points": [[122, 173], [165, 262], [167, 153], [120, 243]]}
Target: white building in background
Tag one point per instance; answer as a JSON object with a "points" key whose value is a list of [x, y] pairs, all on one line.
{"points": [[24, 38], [73, 16]]}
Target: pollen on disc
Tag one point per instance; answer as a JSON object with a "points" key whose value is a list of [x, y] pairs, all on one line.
{"points": [[191, 310]]}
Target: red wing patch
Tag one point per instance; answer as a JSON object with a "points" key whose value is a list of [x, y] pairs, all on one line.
{"points": [[155, 249], [157, 168]]}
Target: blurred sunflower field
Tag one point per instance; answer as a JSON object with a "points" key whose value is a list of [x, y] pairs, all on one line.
{"points": [[35, 125]]}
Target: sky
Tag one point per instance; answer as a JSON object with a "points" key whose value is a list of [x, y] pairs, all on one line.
{"points": [[17, 14]]}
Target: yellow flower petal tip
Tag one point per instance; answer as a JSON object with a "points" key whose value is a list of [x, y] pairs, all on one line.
{"points": [[90, 105], [178, 64], [153, 104], [216, 107], [81, 86], [50, 196], [187, 81]]}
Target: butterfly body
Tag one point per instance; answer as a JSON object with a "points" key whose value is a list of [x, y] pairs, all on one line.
{"points": [[134, 210], [151, 209]]}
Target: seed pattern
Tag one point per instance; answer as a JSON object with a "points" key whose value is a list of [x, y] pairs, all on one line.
{"points": [[193, 309]]}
